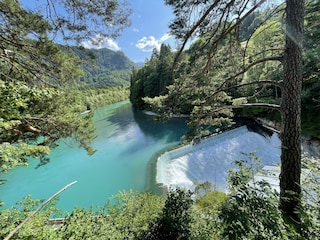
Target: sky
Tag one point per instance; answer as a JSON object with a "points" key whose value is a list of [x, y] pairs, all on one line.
{"points": [[149, 29]]}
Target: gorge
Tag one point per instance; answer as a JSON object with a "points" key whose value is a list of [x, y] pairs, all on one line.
{"points": [[128, 144]]}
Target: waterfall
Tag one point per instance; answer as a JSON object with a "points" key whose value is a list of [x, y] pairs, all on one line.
{"points": [[212, 158]]}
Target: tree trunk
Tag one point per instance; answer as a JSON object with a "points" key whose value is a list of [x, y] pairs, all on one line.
{"points": [[290, 188]]}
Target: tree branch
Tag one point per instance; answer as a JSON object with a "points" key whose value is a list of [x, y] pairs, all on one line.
{"points": [[222, 36], [246, 68], [275, 11], [238, 22], [189, 34], [37, 210], [266, 81], [264, 105]]}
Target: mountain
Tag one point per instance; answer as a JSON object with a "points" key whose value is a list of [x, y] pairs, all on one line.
{"points": [[140, 64], [104, 67]]}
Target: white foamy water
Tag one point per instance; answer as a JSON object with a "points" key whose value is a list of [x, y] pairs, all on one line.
{"points": [[213, 158]]}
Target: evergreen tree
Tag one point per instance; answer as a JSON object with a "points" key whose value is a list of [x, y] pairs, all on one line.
{"points": [[216, 82], [152, 79]]}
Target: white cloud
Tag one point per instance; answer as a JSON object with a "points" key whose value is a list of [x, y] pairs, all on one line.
{"points": [[165, 37], [147, 44], [101, 42], [135, 30]]}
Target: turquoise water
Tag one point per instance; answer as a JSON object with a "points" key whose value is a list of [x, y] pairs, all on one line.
{"points": [[126, 141]]}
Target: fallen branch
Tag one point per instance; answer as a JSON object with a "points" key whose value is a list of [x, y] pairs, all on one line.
{"points": [[37, 210]]}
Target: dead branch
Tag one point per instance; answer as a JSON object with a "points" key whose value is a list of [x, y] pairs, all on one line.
{"points": [[37, 210], [23, 128]]}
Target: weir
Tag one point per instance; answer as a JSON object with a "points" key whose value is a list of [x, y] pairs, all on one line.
{"points": [[212, 158]]}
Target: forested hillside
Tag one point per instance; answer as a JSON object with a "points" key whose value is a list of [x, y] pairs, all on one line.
{"points": [[104, 67], [152, 79]]}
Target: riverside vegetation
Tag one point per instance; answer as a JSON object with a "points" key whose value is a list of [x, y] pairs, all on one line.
{"points": [[36, 74], [249, 211]]}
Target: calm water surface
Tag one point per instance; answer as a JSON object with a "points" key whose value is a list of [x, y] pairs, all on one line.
{"points": [[125, 143]]}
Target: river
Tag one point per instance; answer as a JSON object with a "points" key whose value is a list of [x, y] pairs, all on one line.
{"points": [[126, 142]]}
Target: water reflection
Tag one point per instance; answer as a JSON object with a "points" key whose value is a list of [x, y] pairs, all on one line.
{"points": [[156, 129], [126, 141]]}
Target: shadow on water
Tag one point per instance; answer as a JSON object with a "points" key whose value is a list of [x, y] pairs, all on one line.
{"points": [[156, 129], [118, 116], [136, 132], [125, 116]]}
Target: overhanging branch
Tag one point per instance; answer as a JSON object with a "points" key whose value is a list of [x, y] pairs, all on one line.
{"points": [[246, 68], [264, 105], [260, 82], [244, 105], [230, 29]]}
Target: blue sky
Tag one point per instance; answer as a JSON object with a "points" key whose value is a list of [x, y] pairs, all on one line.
{"points": [[149, 28]]}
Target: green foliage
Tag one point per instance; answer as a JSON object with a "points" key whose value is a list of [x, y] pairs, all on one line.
{"points": [[217, 66], [133, 213], [75, 20], [49, 112], [125, 216], [194, 91], [310, 92], [175, 220], [249, 211], [36, 228], [83, 224], [95, 98], [266, 41], [153, 78], [310, 208], [34, 118], [15, 155], [213, 200], [252, 211], [39, 103], [206, 212], [250, 24], [29, 54], [104, 67]]}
